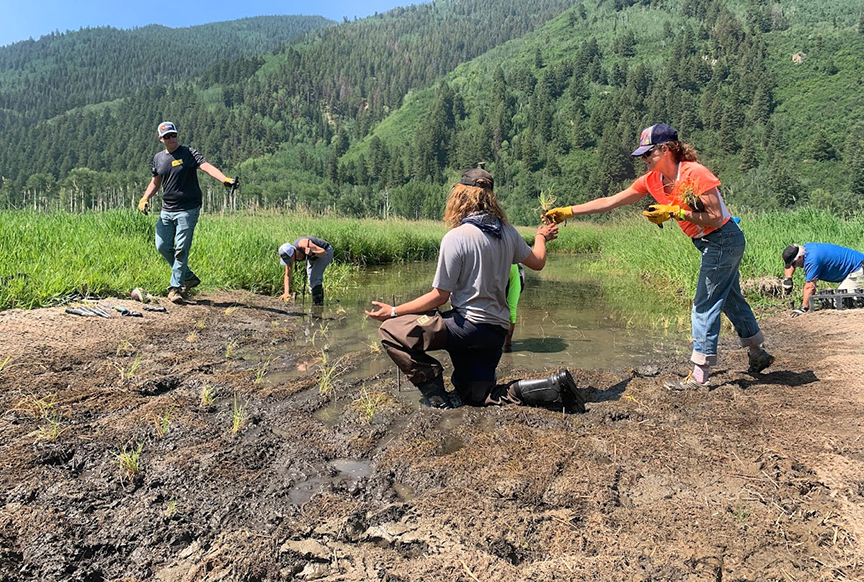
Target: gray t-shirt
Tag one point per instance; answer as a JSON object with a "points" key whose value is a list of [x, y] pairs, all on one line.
{"points": [[475, 267]]}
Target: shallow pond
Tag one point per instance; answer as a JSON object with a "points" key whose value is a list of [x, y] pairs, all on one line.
{"points": [[565, 318]]}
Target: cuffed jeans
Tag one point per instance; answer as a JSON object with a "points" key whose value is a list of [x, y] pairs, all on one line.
{"points": [[719, 290], [174, 232]]}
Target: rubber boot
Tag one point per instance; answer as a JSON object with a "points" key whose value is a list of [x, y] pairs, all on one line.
{"points": [[559, 389], [318, 295], [436, 396]]}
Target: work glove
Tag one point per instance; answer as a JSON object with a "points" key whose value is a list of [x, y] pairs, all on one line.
{"points": [[787, 285], [799, 311], [144, 205], [560, 214], [660, 213], [229, 182]]}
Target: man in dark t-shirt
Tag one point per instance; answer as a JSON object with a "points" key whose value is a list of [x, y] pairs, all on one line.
{"points": [[175, 171]]}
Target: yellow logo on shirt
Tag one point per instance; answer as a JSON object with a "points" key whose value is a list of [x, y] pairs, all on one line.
{"points": [[176, 163], [423, 319]]}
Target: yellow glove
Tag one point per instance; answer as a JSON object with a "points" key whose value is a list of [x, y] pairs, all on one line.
{"points": [[660, 213], [561, 214], [144, 205], [228, 182]]}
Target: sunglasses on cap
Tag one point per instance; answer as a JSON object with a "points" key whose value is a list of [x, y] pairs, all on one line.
{"points": [[169, 136]]}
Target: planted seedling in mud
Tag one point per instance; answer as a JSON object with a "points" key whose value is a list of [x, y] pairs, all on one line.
{"points": [[171, 510], [207, 395], [230, 310], [162, 423], [238, 416], [53, 431], [4, 362], [547, 201], [326, 375], [374, 347], [128, 373], [130, 461], [39, 407], [125, 349], [201, 323], [229, 349], [192, 337], [261, 371], [369, 403]]}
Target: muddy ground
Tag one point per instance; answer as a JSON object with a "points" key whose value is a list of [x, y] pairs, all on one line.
{"points": [[760, 478]]}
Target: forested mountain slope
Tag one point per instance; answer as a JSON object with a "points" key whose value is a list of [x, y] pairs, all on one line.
{"points": [[374, 117], [47, 77]]}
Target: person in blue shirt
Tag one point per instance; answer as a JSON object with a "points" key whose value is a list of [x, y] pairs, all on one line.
{"points": [[822, 262]]}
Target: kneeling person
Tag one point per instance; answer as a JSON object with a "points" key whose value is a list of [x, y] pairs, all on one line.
{"points": [[317, 253], [473, 271]]}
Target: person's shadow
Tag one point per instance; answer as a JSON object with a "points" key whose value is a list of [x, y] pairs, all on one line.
{"points": [[778, 378], [226, 304]]}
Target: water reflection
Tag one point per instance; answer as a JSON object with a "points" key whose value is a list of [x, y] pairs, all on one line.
{"points": [[566, 318]]}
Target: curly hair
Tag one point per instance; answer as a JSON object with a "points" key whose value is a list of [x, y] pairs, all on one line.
{"points": [[683, 152], [464, 200]]}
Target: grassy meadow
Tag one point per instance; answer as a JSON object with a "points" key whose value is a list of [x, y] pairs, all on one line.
{"points": [[46, 257]]}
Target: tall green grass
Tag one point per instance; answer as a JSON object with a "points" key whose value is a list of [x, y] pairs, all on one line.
{"points": [[45, 257]]}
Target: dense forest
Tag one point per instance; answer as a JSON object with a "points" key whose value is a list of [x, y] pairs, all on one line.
{"points": [[374, 117]]}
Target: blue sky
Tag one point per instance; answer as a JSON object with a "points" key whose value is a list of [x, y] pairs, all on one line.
{"points": [[23, 19]]}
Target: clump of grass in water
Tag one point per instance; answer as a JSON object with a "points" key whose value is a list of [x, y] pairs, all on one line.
{"points": [[163, 422], [130, 461], [369, 403], [326, 375], [238, 416]]}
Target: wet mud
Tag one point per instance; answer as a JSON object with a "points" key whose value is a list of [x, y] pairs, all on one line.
{"points": [[260, 457]]}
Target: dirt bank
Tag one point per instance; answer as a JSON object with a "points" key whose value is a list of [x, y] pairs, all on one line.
{"points": [[760, 478]]}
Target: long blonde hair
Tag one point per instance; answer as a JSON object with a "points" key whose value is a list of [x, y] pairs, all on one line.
{"points": [[464, 200]]}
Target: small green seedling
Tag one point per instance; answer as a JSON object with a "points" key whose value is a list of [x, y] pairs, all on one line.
{"points": [[4, 362], [128, 373], [547, 201], [171, 510], [261, 371], [130, 461], [230, 347], [326, 375], [125, 348], [163, 422], [207, 395], [369, 403], [238, 416], [53, 431]]}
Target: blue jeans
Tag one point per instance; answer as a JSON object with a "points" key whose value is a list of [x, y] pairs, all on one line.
{"points": [[719, 290], [174, 232]]}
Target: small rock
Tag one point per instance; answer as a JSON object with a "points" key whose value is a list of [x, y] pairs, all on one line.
{"points": [[314, 571]]}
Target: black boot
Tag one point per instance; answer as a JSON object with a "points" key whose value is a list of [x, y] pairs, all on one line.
{"points": [[559, 389], [318, 295], [435, 396]]}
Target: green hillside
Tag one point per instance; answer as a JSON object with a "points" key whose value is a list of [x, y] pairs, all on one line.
{"points": [[374, 117], [40, 79]]}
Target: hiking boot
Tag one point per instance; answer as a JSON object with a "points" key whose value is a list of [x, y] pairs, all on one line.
{"points": [[436, 396], [175, 295], [191, 282], [760, 361], [681, 384]]}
